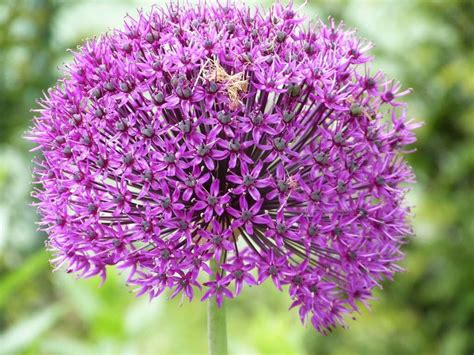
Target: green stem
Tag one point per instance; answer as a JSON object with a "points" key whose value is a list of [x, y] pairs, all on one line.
{"points": [[216, 322]]}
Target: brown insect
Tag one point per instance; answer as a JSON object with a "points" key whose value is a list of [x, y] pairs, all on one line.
{"points": [[234, 84], [293, 184]]}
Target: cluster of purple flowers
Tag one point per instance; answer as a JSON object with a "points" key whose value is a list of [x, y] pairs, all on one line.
{"points": [[220, 132]]}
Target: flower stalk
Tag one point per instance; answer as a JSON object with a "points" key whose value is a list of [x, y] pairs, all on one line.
{"points": [[216, 321]]}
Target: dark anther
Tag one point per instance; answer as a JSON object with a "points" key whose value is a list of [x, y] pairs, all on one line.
{"points": [[187, 93], [248, 180], [230, 27], [353, 53], [157, 65], [297, 280], [316, 196], [95, 93], [86, 140], [351, 255], [92, 208], [175, 80], [190, 181], [148, 132], [208, 44], [166, 202], [109, 86], [341, 187], [338, 138], [146, 226], [101, 162], [272, 270], [183, 225], [76, 119], [309, 48], [185, 126], [281, 36], [60, 221], [322, 158], [363, 212], [238, 274], [185, 59], [159, 98], [289, 14], [313, 288], [388, 96], [370, 83], [124, 87], [281, 228], [99, 113], [118, 199], [234, 145], [288, 116], [213, 87], [279, 144], [312, 231], [67, 151], [283, 186], [170, 158], [121, 126], [247, 57], [165, 254], [257, 119], [184, 93], [317, 72], [216, 240], [128, 159], [91, 234], [223, 117], [78, 176], [353, 166], [246, 216], [60, 139], [147, 175], [380, 180], [151, 37], [202, 150], [116, 242], [212, 200], [127, 47], [337, 231]]}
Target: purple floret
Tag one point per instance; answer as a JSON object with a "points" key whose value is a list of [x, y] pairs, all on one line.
{"points": [[221, 132]]}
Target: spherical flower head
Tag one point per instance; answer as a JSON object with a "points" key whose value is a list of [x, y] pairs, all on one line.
{"points": [[221, 132]]}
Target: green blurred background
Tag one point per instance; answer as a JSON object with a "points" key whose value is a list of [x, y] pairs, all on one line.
{"points": [[428, 45]]}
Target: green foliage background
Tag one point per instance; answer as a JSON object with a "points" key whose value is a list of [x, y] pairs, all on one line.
{"points": [[428, 45]]}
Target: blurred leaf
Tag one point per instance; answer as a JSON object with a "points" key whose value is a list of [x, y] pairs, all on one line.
{"points": [[25, 332], [18, 278]]}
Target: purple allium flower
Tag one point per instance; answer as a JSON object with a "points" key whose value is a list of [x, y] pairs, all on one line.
{"points": [[218, 132]]}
